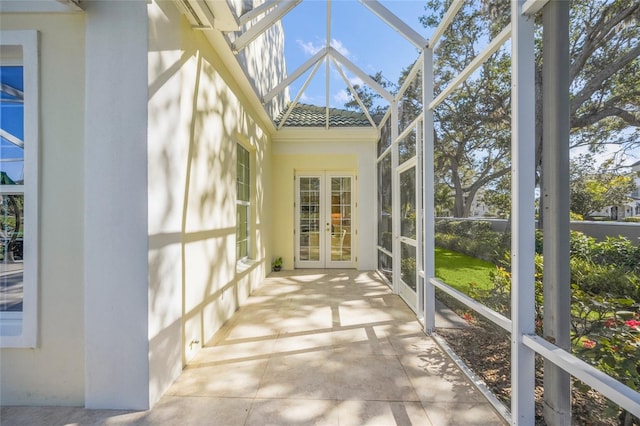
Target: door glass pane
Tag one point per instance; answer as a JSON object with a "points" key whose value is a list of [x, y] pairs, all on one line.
{"points": [[408, 265], [340, 218], [11, 252], [385, 203], [385, 265], [408, 203], [309, 219]]}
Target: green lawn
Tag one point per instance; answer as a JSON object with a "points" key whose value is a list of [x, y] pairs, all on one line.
{"points": [[458, 270]]}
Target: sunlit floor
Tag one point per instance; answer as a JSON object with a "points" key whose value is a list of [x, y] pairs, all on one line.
{"points": [[315, 347]]}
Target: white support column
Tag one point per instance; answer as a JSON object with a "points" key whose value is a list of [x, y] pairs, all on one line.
{"points": [[395, 197], [115, 206], [555, 211], [523, 215], [428, 187]]}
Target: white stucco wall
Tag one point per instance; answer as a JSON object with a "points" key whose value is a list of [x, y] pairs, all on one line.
{"points": [[53, 373], [197, 115], [115, 208], [319, 149]]}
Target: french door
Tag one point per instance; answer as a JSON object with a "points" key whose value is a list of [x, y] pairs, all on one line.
{"points": [[325, 231]]}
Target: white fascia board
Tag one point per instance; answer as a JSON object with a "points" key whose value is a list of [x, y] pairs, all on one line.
{"points": [[257, 11], [445, 22], [295, 75], [321, 134], [363, 75], [224, 20], [40, 6], [264, 24], [491, 48], [396, 23], [531, 7]]}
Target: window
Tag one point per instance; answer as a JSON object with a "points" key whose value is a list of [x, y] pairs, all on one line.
{"points": [[18, 188], [243, 203]]}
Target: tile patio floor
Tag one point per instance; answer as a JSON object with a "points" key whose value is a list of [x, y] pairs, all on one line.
{"points": [[309, 348]]}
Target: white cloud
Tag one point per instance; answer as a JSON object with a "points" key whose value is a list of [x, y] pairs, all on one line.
{"points": [[356, 80], [305, 98], [337, 44], [311, 48], [342, 97]]}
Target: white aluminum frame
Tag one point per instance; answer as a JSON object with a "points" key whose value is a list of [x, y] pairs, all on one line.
{"points": [[524, 342], [264, 24], [28, 320]]}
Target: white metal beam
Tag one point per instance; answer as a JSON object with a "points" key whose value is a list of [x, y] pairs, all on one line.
{"points": [[363, 75], [257, 11], [11, 138], [531, 7], [412, 74], [295, 75], [523, 118], [297, 98], [617, 392], [493, 316], [264, 24], [491, 48], [327, 77], [445, 22], [12, 91], [396, 23], [355, 94], [428, 160]]}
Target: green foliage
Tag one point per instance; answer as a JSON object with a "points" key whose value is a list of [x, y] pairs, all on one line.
{"points": [[633, 219], [276, 265], [604, 279], [606, 334], [408, 271], [580, 245], [471, 237], [575, 216], [617, 252]]}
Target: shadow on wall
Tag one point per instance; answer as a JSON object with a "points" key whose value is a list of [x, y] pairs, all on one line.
{"points": [[194, 285]]}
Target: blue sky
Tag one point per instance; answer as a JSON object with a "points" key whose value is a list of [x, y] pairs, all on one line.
{"points": [[355, 32]]}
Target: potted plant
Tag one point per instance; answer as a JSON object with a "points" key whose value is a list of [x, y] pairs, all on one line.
{"points": [[276, 265]]}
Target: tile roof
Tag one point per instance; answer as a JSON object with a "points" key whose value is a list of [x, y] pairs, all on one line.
{"points": [[315, 116]]}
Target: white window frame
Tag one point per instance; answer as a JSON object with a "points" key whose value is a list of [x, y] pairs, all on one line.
{"points": [[246, 204], [20, 330]]}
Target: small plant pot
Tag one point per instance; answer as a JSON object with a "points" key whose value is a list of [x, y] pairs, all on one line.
{"points": [[277, 268]]}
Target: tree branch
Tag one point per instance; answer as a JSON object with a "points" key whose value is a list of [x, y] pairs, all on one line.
{"points": [[594, 84], [598, 33]]}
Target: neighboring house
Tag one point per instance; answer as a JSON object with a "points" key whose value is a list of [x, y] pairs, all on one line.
{"points": [[630, 208], [157, 190], [635, 195]]}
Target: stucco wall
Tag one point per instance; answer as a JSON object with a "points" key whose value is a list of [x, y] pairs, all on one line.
{"points": [[53, 373], [196, 118], [312, 149]]}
